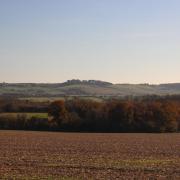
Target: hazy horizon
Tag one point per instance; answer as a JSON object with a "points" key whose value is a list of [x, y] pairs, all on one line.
{"points": [[57, 82], [131, 41]]}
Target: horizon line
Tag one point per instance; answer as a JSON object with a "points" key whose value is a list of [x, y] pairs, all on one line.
{"points": [[114, 83]]}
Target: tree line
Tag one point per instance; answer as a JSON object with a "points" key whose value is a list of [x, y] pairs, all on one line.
{"points": [[128, 115]]}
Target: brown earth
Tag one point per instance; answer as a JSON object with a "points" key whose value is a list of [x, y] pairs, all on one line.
{"points": [[48, 155]]}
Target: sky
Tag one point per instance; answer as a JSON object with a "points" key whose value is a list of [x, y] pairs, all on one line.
{"points": [[120, 41]]}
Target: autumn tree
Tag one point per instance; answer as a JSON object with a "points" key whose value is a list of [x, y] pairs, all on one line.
{"points": [[58, 112]]}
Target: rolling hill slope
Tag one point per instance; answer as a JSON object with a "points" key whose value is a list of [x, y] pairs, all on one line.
{"points": [[86, 88]]}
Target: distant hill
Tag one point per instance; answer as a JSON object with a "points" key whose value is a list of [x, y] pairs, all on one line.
{"points": [[86, 88]]}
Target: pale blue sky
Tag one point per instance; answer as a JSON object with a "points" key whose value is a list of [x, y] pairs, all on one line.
{"points": [[124, 41]]}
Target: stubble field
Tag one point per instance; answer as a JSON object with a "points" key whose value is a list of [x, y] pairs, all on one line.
{"points": [[49, 155]]}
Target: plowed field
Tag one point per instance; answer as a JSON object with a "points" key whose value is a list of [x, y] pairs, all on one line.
{"points": [[49, 155]]}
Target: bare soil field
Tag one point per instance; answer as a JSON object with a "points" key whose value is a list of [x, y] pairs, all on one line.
{"points": [[50, 155]]}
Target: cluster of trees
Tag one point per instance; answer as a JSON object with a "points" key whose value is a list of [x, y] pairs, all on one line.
{"points": [[116, 116], [89, 82], [8, 120], [23, 122], [128, 115]]}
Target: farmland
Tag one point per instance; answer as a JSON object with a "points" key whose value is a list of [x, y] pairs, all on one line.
{"points": [[50, 155], [28, 115], [86, 88]]}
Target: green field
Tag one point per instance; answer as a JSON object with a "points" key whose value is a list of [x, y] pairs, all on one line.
{"points": [[51, 99], [42, 99], [28, 115]]}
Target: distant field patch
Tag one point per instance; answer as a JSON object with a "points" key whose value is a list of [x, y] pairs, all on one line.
{"points": [[28, 115], [42, 99], [51, 99]]}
